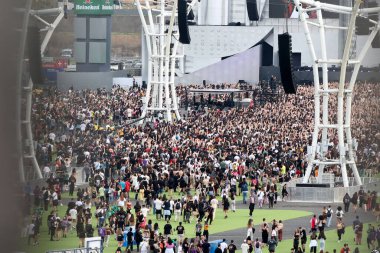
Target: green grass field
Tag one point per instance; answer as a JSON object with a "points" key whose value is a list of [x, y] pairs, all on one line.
{"points": [[235, 220], [331, 242]]}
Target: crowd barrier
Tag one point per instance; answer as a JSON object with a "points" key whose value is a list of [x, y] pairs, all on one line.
{"points": [[328, 195]]}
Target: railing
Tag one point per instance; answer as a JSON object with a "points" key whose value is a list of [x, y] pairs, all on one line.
{"points": [[328, 195]]}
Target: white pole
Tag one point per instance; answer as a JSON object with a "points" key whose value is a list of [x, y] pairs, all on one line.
{"points": [[172, 84], [155, 65], [325, 106], [19, 95], [50, 32], [161, 45], [316, 93], [349, 103], [167, 63], [148, 46], [29, 133], [342, 80]]}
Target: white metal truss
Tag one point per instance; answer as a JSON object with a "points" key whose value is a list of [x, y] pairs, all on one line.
{"points": [[23, 30], [163, 50], [30, 154], [344, 91]]}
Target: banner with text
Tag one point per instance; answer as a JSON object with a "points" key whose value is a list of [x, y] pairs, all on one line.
{"points": [[94, 7]]}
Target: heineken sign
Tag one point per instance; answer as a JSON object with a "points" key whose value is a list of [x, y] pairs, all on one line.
{"points": [[94, 7]]}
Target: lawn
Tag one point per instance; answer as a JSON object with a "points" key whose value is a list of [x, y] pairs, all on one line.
{"points": [[234, 221], [331, 242]]}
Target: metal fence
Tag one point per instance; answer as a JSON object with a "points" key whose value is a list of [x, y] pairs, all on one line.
{"points": [[329, 195], [77, 250]]}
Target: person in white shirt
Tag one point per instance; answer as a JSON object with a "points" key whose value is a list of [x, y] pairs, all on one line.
{"points": [[339, 213], [158, 206], [121, 202], [223, 245], [52, 137], [244, 247], [144, 247], [214, 203], [144, 211], [73, 214], [54, 197], [260, 198], [46, 172], [329, 215], [79, 203], [30, 231], [177, 209], [83, 127]]}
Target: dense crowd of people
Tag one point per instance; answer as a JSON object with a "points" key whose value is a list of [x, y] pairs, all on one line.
{"points": [[182, 171]]}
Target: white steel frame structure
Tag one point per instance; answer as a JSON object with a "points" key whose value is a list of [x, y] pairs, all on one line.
{"points": [[28, 90], [344, 91], [161, 95]]}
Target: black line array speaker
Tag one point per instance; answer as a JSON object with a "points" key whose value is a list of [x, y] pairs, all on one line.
{"points": [[191, 15], [362, 26], [34, 53], [184, 35], [286, 63], [253, 15], [375, 17]]}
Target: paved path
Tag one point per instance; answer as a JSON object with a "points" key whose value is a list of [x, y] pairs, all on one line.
{"points": [[238, 235]]}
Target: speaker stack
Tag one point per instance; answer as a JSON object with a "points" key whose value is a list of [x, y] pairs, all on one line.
{"points": [[286, 63], [374, 17], [253, 15], [362, 26], [184, 35], [34, 53]]}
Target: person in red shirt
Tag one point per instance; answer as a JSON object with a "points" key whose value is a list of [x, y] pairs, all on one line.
{"points": [[345, 249], [313, 223], [127, 188]]}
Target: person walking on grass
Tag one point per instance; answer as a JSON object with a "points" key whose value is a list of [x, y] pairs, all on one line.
{"points": [[313, 243], [251, 203], [345, 249], [226, 206], [322, 241], [280, 230], [198, 229], [357, 226], [180, 232], [244, 247], [257, 246], [340, 229], [130, 239], [244, 190], [272, 244]]}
